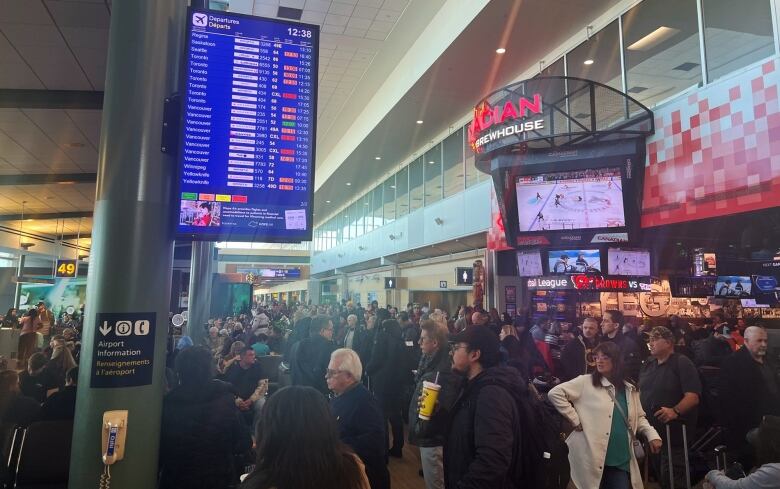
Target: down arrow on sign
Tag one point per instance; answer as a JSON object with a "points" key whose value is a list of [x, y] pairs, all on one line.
{"points": [[105, 329]]}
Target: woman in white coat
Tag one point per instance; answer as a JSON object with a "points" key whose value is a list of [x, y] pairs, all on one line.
{"points": [[600, 447]]}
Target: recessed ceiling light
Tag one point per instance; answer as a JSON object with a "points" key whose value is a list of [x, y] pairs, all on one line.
{"points": [[431, 162], [377, 157], [419, 122], [500, 50], [588, 62], [365, 203], [327, 202], [349, 183], [392, 186]]}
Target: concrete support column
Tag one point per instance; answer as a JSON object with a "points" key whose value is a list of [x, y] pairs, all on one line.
{"points": [[132, 242], [202, 269]]}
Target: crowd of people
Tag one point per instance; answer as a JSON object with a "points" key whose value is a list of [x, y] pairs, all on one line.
{"points": [[349, 382]]}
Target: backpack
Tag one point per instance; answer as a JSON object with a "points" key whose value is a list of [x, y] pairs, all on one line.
{"points": [[541, 460]]}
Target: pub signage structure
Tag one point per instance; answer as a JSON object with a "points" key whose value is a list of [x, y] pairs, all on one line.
{"points": [[567, 156]]}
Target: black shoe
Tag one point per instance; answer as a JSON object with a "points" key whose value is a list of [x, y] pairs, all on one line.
{"points": [[396, 452]]}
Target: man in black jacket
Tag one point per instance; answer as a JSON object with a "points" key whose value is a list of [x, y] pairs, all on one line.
{"points": [[749, 390], [62, 404], [434, 366], [577, 357], [482, 446], [611, 329], [311, 360], [360, 421]]}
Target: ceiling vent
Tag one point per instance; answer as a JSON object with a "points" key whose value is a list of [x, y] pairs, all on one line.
{"points": [[289, 13], [686, 67]]}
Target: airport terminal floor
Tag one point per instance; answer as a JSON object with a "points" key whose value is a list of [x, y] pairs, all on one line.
{"points": [[439, 244]]}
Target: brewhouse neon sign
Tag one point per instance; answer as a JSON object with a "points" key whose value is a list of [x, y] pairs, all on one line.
{"points": [[485, 116]]}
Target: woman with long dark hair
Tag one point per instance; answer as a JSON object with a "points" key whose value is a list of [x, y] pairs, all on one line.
{"points": [[202, 429], [11, 320], [298, 446], [598, 403]]}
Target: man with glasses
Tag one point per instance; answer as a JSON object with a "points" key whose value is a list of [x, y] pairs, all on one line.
{"points": [[670, 388], [482, 449], [360, 421], [311, 360], [434, 366]]}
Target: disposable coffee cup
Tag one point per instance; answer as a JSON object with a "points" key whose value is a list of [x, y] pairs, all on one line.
{"points": [[430, 393]]}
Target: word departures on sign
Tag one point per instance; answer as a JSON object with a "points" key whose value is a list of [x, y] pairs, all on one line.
{"points": [[604, 283], [123, 353], [66, 269]]}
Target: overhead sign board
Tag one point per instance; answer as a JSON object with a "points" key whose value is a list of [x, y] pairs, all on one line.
{"points": [[585, 282], [66, 268], [246, 158], [271, 272], [123, 350]]}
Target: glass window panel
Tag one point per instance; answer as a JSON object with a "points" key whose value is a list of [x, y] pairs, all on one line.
{"points": [[554, 95], [389, 200], [452, 151], [344, 224], [415, 184], [368, 205], [432, 167], [733, 39], [365, 211], [402, 192], [377, 206], [598, 58], [472, 174], [662, 50], [357, 217]]}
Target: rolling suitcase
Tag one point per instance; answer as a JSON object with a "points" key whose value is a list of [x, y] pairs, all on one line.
{"points": [[685, 454]]}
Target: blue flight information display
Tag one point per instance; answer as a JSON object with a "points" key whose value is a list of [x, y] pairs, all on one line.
{"points": [[246, 159]]}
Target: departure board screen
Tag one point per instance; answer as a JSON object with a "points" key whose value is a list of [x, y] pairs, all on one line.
{"points": [[246, 158]]}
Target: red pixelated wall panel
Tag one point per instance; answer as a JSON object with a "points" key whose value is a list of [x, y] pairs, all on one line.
{"points": [[715, 152]]}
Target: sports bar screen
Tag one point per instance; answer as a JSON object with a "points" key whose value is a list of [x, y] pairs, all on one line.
{"points": [[246, 161]]}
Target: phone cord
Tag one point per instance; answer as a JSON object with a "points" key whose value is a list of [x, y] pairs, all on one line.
{"points": [[105, 477]]}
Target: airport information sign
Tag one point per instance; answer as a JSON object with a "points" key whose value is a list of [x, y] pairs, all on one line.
{"points": [[246, 158]]}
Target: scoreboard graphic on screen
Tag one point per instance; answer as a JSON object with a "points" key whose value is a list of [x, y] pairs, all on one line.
{"points": [[249, 105]]}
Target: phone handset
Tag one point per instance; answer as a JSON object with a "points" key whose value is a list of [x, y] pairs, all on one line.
{"points": [[114, 437]]}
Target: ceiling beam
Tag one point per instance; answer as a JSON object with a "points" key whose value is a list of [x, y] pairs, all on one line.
{"points": [[50, 99], [42, 216], [47, 178]]}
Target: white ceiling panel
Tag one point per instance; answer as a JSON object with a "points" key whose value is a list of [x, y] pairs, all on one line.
{"points": [[79, 14], [56, 66], [317, 5], [24, 12]]}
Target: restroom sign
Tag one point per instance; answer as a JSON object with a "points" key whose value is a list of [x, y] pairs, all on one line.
{"points": [[123, 349]]}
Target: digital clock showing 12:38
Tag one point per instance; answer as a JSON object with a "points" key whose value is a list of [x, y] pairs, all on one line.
{"points": [[294, 31]]}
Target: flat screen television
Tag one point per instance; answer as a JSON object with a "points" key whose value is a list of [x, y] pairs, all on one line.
{"points": [[735, 286], [574, 261], [529, 263], [628, 262], [570, 200]]}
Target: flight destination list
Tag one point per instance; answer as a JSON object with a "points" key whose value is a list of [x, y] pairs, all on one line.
{"points": [[248, 125]]}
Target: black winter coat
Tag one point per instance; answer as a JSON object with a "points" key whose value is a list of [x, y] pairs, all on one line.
{"points": [[311, 362], [385, 372], [630, 350], [480, 451], [574, 358], [201, 431], [432, 433], [362, 426], [744, 397]]}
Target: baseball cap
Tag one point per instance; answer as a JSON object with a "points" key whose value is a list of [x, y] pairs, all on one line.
{"points": [[483, 339], [662, 332]]}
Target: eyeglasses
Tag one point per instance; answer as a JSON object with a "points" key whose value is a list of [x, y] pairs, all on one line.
{"points": [[454, 348], [332, 373]]}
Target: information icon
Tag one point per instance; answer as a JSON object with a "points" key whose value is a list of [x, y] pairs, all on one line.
{"points": [[124, 328]]}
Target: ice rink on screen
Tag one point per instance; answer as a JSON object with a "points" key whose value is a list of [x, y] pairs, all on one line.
{"points": [[586, 203]]}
